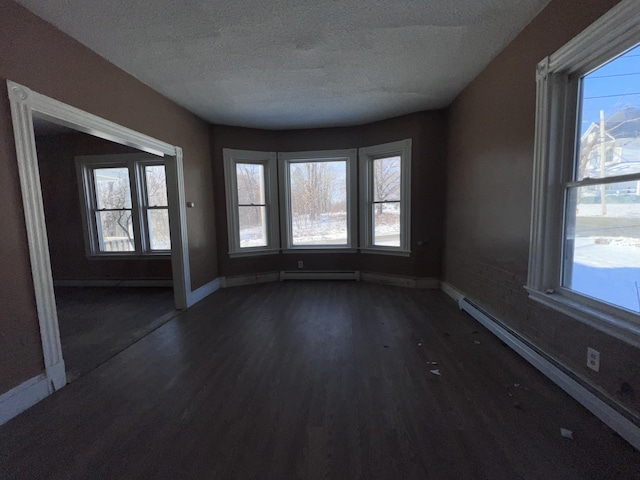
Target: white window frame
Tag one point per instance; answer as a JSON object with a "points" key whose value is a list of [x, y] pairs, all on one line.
{"points": [[287, 158], [555, 142], [269, 162], [134, 163], [402, 149]]}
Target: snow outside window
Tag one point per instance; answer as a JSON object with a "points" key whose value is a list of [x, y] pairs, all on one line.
{"points": [[252, 212], [318, 200], [585, 243], [126, 211], [385, 183]]}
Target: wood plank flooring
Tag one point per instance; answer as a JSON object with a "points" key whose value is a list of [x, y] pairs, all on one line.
{"points": [[314, 380], [96, 323]]}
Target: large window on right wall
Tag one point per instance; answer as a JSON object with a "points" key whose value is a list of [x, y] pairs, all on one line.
{"points": [[585, 244], [385, 197]]}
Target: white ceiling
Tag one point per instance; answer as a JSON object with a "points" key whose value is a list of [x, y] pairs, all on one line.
{"points": [[296, 63]]}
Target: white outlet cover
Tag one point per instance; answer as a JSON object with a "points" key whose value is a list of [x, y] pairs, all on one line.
{"points": [[593, 359]]}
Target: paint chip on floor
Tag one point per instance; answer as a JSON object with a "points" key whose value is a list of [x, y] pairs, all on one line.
{"points": [[566, 433], [436, 371]]}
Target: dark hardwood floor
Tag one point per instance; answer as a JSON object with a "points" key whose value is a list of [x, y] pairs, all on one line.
{"points": [[314, 380], [96, 323]]}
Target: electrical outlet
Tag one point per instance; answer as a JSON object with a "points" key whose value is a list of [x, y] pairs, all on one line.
{"points": [[593, 359], [300, 264]]}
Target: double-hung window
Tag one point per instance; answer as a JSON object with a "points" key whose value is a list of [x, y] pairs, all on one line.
{"points": [[585, 244], [318, 200], [252, 205], [125, 206], [385, 183]]}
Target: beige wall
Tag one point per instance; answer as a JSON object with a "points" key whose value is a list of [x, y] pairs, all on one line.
{"points": [[63, 213], [489, 172], [35, 54], [427, 131]]}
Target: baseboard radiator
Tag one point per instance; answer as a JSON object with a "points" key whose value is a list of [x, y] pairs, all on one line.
{"points": [[320, 275], [620, 420]]}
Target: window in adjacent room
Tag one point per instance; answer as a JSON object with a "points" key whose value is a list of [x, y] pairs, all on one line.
{"points": [[585, 244], [318, 203], [252, 209], [385, 197], [124, 199]]}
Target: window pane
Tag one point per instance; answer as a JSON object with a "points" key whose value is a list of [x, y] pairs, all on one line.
{"points": [[610, 119], [602, 246], [115, 231], [386, 179], [159, 234], [386, 224], [112, 187], [250, 183], [253, 226], [156, 179], [318, 203]]}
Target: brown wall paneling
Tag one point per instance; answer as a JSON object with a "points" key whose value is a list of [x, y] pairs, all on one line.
{"points": [[489, 178], [39, 56]]}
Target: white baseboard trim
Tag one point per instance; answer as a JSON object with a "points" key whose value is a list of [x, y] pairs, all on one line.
{"points": [[401, 281], [25, 395], [320, 275], [592, 402], [202, 292], [150, 282]]}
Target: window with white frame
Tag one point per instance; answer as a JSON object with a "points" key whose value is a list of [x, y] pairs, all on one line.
{"points": [[125, 205], [385, 183], [252, 206], [318, 200], [585, 243]]}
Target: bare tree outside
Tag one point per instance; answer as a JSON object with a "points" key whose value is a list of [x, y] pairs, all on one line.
{"points": [[113, 201], [319, 202], [252, 208], [157, 207], [386, 197]]}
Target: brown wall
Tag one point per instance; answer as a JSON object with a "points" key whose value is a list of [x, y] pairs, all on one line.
{"points": [[427, 130], [489, 172], [37, 55], [63, 212]]}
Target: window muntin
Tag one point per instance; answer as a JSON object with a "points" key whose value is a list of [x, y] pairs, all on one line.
{"points": [[602, 215], [318, 200], [568, 186], [385, 197], [252, 208], [124, 198]]}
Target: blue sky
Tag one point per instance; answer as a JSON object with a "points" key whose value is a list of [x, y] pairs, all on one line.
{"points": [[611, 87]]}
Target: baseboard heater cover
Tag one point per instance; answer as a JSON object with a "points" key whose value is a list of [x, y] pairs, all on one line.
{"points": [[624, 423], [320, 275]]}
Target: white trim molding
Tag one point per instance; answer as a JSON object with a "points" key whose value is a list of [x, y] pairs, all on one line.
{"points": [[204, 291], [320, 275], [127, 282], [26, 103], [24, 396], [558, 90], [240, 280], [367, 157], [599, 405]]}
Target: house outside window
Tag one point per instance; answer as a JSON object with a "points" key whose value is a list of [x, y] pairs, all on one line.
{"points": [[125, 205], [585, 245], [385, 196]]}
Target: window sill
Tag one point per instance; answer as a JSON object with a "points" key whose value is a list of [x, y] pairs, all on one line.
{"points": [[386, 251], [253, 253], [605, 318]]}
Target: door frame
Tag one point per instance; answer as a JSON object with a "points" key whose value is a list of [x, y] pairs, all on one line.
{"points": [[24, 103]]}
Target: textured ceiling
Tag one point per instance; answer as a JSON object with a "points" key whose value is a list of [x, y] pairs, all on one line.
{"points": [[296, 63]]}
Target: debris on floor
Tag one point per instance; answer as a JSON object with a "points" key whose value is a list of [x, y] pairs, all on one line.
{"points": [[516, 385], [566, 433], [477, 342], [432, 363], [436, 371], [420, 344]]}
